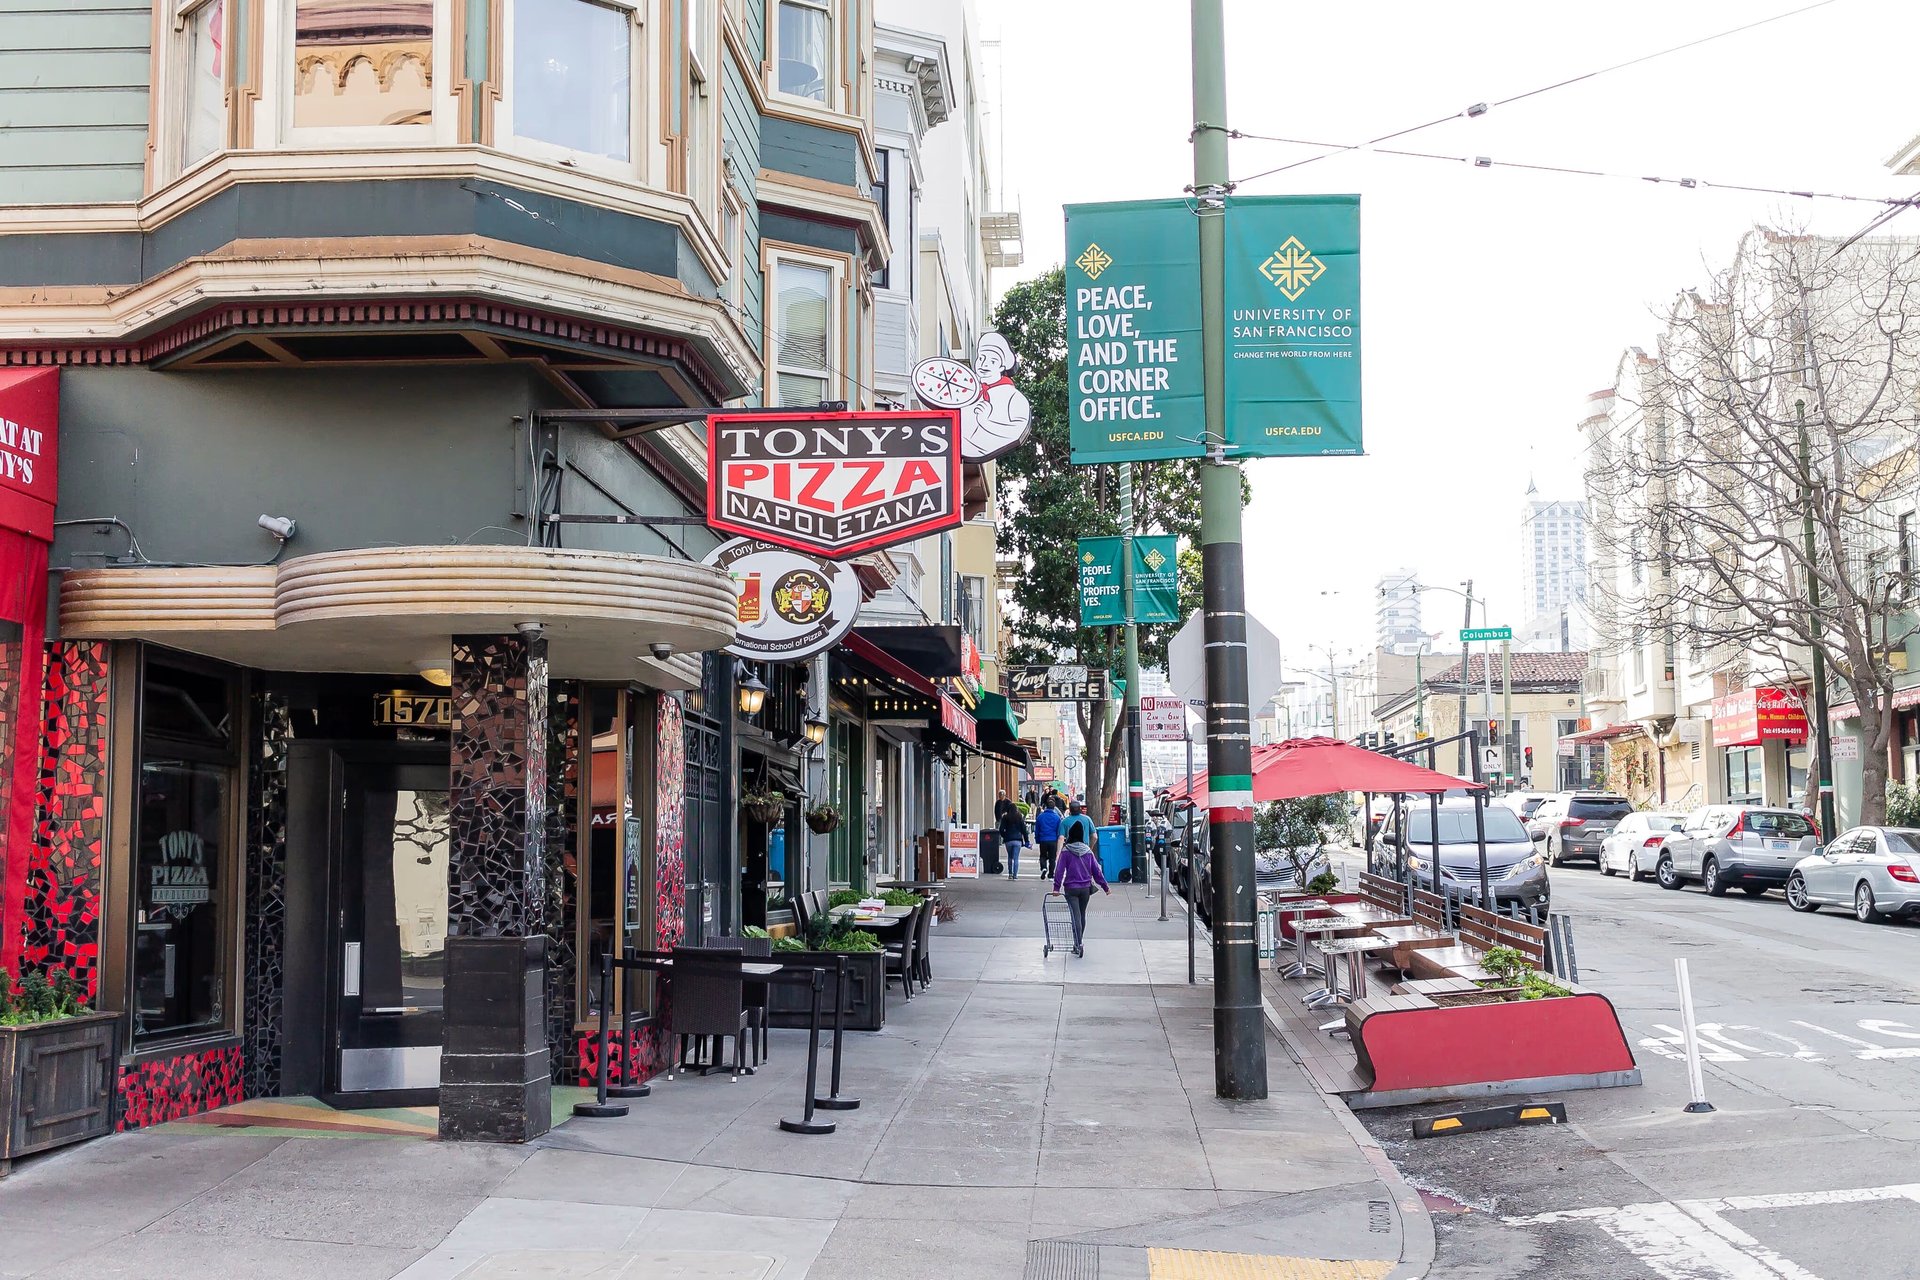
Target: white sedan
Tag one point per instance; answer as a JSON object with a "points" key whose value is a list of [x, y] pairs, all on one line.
{"points": [[1634, 845]]}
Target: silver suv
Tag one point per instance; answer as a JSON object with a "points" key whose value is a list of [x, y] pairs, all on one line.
{"points": [[1723, 845], [1574, 823]]}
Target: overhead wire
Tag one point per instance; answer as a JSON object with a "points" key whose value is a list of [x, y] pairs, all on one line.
{"points": [[1481, 108]]}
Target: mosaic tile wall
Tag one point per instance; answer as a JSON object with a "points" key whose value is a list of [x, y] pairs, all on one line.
{"points": [[170, 1088], [262, 1018], [498, 806], [561, 884], [13, 871], [61, 925]]}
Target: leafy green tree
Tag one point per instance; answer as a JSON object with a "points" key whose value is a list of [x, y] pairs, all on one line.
{"points": [[1297, 828], [1047, 503]]}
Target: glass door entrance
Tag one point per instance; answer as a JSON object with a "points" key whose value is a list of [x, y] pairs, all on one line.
{"points": [[390, 887]]}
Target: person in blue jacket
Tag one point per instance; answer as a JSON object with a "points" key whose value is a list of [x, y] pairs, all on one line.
{"points": [[1046, 831]]}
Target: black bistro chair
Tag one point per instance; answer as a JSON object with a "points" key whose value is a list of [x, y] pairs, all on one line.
{"points": [[902, 959], [922, 932], [709, 1001]]}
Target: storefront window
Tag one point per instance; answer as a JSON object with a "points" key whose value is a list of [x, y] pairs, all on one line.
{"points": [[184, 816], [1744, 774], [1797, 793]]}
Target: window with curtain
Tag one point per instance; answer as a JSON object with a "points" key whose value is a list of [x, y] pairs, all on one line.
{"points": [[203, 109], [362, 63], [803, 311], [806, 42], [572, 81]]}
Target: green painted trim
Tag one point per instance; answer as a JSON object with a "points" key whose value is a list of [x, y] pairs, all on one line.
{"points": [[1230, 782]]}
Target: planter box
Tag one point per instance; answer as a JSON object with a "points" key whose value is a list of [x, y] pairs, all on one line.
{"points": [[56, 1083], [789, 1003]]}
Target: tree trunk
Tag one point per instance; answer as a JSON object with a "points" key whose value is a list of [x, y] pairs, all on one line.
{"points": [[1110, 775], [1876, 717]]}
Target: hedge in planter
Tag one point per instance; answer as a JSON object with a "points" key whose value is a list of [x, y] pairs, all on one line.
{"points": [[57, 1064], [789, 1004]]}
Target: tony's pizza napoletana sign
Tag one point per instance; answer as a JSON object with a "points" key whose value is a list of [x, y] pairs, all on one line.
{"points": [[834, 484]]}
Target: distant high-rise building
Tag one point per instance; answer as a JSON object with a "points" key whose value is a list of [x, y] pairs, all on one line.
{"points": [[1553, 570], [1396, 614]]}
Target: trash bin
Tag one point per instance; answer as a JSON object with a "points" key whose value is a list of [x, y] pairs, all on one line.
{"points": [[1114, 852], [990, 863]]}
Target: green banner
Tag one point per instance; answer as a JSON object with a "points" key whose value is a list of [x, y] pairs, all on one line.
{"points": [[1293, 326], [1136, 390], [1101, 602], [1156, 580]]}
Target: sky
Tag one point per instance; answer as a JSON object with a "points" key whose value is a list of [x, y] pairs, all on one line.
{"points": [[1494, 300]]}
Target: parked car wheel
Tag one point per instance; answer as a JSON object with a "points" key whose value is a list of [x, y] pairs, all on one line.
{"points": [[1633, 868], [1754, 890], [1710, 879], [1797, 894], [1606, 868], [1667, 874], [1863, 909]]}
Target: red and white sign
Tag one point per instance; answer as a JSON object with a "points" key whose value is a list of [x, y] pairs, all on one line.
{"points": [[970, 663], [1043, 773], [29, 480], [963, 853], [1753, 716], [955, 720], [834, 484], [1163, 719]]}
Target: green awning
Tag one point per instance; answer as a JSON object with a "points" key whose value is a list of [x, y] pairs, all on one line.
{"points": [[994, 716]]}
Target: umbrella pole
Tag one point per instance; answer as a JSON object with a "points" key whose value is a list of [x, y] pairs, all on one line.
{"points": [[1479, 819], [1433, 854]]}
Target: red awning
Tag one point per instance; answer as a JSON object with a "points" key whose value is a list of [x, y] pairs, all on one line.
{"points": [[1324, 766], [29, 430], [880, 660]]}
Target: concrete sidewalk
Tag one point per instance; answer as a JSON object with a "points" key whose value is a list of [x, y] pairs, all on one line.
{"points": [[1023, 1117]]}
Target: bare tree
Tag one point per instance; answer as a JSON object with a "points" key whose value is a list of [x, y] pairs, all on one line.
{"points": [[1762, 458]]}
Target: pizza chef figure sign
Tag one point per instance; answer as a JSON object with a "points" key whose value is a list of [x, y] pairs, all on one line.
{"points": [[994, 414]]}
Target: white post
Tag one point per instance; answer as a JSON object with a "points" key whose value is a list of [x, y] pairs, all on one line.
{"points": [[1696, 1081]]}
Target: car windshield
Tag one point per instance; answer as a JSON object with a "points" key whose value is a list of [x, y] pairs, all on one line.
{"points": [[1792, 826], [1604, 808], [1662, 822], [1456, 826]]}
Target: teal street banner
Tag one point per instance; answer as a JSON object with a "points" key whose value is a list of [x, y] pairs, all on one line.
{"points": [[1156, 580], [1136, 391], [1293, 326], [1101, 602]]}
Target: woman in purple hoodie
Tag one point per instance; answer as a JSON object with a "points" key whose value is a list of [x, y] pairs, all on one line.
{"points": [[1077, 871]]}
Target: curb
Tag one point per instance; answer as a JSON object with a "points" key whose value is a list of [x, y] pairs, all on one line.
{"points": [[1417, 1242]]}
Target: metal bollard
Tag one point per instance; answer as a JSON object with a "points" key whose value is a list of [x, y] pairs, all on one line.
{"points": [[1696, 1079], [600, 1106], [833, 1101], [806, 1123]]}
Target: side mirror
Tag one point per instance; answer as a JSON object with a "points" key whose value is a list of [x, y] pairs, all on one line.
{"points": [[1819, 851], [1389, 839]]}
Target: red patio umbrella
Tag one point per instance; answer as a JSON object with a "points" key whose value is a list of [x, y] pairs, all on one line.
{"points": [[1320, 766]]}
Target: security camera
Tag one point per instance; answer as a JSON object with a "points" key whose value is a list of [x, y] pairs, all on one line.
{"points": [[660, 651], [281, 527]]}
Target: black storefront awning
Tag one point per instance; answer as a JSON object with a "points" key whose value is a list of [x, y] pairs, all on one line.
{"points": [[932, 651]]}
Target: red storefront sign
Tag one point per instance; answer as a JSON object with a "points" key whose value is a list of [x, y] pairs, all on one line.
{"points": [[29, 481], [955, 720], [1753, 716], [834, 484]]}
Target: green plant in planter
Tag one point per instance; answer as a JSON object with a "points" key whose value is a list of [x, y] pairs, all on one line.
{"points": [[851, 942], [844, 897], [34, 999], [753, 931], [1325, 882], [901, 898], [1511, 968], [789, 943]]}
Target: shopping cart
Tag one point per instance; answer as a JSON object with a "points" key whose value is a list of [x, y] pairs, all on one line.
{"points": [[1049, 904]]}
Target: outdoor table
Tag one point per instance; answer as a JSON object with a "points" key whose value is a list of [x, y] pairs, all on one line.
{"points": [[888, 915], [914, 886], [1350, 956], [1295, 907], [1302, 938]]}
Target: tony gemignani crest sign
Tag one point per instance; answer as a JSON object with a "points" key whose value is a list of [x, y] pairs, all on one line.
{"points": [[834, 484], [789, 606]]}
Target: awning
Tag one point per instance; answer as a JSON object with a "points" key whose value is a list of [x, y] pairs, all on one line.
{"points": [[1603, 733], [946, 719], [29, 434], [932, 651], [995, 717]]}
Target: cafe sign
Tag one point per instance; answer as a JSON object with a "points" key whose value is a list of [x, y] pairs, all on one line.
{"points": [[1057, 684], [834, 485]]}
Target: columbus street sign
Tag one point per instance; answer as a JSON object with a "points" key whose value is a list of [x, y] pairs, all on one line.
{"points": [[1057, 684], [834, 484]]}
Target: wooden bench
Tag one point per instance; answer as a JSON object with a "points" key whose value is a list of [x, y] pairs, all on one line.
{"points": [[1428, 929], [1478, 931], [1383, 903]]}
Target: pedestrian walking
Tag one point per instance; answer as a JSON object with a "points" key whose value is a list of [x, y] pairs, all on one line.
{"points": [[1046, 833], [1013, 833], [1078, 871], [1078, 825]]}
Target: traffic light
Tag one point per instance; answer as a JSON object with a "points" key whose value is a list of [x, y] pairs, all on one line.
{"points": [[1527, 753], [1390, 742], [1493, 733]]}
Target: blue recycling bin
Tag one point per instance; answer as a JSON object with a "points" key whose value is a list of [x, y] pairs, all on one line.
{"points": [[1115, 853]]}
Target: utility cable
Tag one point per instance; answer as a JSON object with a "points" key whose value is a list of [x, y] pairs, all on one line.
{"points": [[1481, 108]]}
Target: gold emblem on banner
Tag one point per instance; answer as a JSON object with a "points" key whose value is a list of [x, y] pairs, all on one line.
{"points": [[1292, 269], [1093, 260]]}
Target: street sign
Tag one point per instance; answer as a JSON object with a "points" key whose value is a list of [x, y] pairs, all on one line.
{"points": [[1846, 748], [1471, 634], [1293, 326], [1057, 684], [1490, 761], [1163, 719], [834, 484], [1102, 603], [1187, 668]]}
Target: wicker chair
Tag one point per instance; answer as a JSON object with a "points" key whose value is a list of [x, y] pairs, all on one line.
{"points": [[709, 1001]]}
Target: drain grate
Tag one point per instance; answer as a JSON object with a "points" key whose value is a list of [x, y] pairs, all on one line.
{"points": [[1062, 1260]]}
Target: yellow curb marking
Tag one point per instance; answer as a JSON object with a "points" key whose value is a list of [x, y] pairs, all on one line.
{"points": [[1191, 1264]]}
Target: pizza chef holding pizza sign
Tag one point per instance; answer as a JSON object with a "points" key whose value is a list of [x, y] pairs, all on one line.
{"points": [[995, 415]]}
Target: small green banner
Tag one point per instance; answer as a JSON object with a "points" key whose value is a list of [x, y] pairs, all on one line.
{"points": [[1469, 635], [1156, 580], [1293, 326], [1102, 603]]}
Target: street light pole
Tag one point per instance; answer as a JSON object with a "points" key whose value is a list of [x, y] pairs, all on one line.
{"points": [[1239, 1025], [1136, 790], [1466, 674]]}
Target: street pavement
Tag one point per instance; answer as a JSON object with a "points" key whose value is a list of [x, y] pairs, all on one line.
{"points": [[1026, 1116], [1807, 1168]]}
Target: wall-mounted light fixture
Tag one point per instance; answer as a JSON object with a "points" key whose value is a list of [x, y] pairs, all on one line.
{"points": [[753, 694], [435, 671], [816, 730]]}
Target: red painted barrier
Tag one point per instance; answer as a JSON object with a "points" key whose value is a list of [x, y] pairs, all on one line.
{"points": [[1443, 1047]]}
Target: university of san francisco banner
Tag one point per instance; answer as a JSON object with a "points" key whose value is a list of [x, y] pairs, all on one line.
{"points": [[1292, 294], [1156, 579]]}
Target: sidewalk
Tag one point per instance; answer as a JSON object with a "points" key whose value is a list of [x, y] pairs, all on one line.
{"points": [[1023, 1117]]}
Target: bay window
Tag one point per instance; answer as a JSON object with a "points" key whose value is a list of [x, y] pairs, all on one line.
{"points": [[702, 124], [362, 63], [805, 49], [572, 79], [203, 107], [805, 317]]}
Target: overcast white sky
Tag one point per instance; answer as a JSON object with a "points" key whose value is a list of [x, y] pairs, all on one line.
{"points": [[1494, 300]]}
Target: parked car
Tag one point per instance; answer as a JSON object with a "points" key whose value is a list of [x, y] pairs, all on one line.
{"points": [[1629, 847], [1179, 818], [1516, 871], [1375, 816], [1874, 870], [1723, 845], [1272, 869], [1525, 803], [1573, 823]]}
